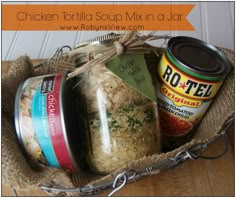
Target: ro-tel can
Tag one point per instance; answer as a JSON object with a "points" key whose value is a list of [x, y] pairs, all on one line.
{"points": [[190, 73], [46, 129]]}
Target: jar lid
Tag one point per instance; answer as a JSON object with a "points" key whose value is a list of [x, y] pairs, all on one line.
{"points": [[108, 39], [104, 40]]}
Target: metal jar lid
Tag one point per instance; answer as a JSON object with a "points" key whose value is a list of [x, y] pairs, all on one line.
{"points": [[198, 58], [108, 39], [103, 40]]}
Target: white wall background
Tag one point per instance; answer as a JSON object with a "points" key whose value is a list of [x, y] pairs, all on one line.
{"points": [[213, 22]]}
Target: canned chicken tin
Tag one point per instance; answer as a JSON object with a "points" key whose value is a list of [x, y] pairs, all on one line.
{"points": [[190, 73], [43, 118]]}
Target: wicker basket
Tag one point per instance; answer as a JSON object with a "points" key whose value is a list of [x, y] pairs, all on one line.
{"points": [[18, 174]]}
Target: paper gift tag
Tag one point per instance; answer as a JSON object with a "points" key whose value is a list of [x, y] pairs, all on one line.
{"points": [[132, 68]]}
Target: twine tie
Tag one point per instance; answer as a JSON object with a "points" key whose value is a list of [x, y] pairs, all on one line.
{"points": [[119, 47]]}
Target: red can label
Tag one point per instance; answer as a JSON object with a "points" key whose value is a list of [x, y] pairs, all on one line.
{"points": [[182, 98], [42, 121]]}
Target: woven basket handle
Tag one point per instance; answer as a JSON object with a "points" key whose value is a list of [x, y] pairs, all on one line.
{"points": [[223, 133]]}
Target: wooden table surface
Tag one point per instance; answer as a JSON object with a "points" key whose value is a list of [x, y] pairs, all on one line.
{"points": [[192, 178]]}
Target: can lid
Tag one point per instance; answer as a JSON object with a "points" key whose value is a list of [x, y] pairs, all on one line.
{"points": [[17, 125], [71, 131], [198, 57], [32, 162]]}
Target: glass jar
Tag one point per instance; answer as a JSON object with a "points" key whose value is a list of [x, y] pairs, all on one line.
{"points": [[123, 123]]}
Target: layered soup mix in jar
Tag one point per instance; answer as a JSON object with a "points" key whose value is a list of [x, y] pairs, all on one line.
{"points": [[123, 123]]}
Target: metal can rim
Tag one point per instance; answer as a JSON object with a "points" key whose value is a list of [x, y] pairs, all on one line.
{"points": [[63, 123], [211, 76], [24, 151]]}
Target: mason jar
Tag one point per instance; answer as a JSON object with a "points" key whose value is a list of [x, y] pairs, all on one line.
{"points": [[123, 124]]}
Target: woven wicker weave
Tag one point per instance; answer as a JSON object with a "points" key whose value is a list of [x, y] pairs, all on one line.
{"points": [[18, 174]]}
